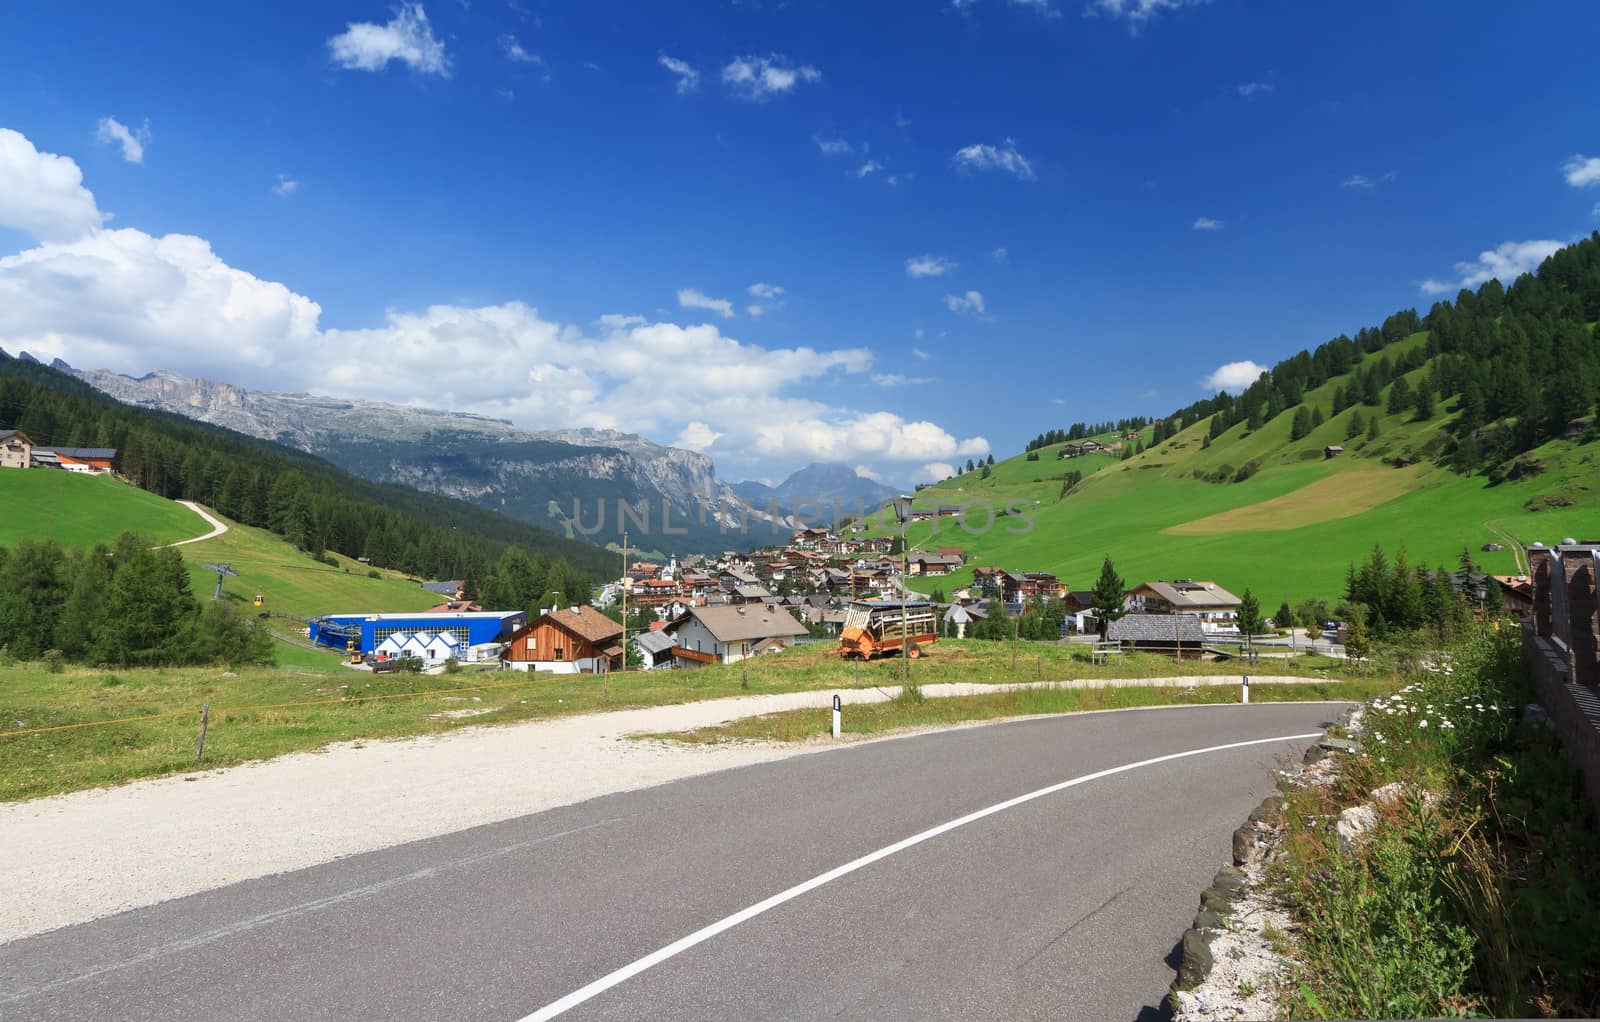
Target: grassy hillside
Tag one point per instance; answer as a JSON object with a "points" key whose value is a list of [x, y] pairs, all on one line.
{"points": [[79, 510], [1289, 529], [291, 582]]}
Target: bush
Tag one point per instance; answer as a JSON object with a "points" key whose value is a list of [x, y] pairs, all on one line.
{"points": [[53, 660], [374, 573]]}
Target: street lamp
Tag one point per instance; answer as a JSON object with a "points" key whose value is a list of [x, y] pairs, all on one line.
{"points": [[902, 514]]}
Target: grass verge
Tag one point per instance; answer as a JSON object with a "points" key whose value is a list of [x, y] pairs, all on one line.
{"points": [[902, 713], [1475, 894], [257, 713]]}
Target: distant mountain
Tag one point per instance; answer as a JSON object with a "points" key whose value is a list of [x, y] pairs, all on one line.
{"points": [[563, 479], [821, 483]]}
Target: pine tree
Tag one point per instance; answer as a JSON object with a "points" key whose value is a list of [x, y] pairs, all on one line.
{"points": [[1109, 592], [1399, 396], [1284, 618], [1301, 425], [1354, 425], [1249, 615], [1317, 418], [1424, 403], [1372, 428]]}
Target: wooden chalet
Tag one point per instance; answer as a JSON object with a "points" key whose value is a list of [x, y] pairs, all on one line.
{"points": [[572, 640]]}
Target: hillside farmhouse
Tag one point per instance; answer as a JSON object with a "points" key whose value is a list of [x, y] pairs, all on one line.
{"points": [[18, 451], [726, 635], [574, 640]]}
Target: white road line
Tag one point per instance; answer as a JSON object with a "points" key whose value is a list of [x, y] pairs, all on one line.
{"points": [[704, 934]]}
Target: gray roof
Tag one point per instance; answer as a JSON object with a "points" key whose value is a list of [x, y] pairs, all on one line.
{"points": [[81, 452], [1156, 628], [1186, 594], [442, 588], [752, 592], [745, 622], [658, 641]]}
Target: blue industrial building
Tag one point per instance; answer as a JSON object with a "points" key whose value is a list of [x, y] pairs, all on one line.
{"points": [[363, 632]]}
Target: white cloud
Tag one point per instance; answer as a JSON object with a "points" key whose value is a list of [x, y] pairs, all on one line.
{"points": [[286, 186], [971, 303], [899, 380], [935, 471], [1234, 376], [973, 158], [768, 298], [1135, 12], [408, 38], [688, 77], [760, 78], [696, 436], [901, 121], [831, 145], [509, 95], [870, 167], [1206, 223], [1001, 256], [925, 356], [928, 266], [131, 302], [1582, 171], [693, 298], [112, 131], [1363, 183], [512, 48], [1250, 89], [42, 193], [1505, 262], [1044, 8], [868, 472]]}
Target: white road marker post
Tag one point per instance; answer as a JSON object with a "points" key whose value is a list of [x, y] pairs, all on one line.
{"points": [[836, 715], [1246, 680]]}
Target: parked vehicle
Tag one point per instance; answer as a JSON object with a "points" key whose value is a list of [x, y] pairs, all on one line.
{"points": [[874, 628]]}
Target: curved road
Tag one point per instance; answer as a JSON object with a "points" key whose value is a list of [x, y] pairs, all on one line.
{"points": [[1063, 905], [217, 527]]}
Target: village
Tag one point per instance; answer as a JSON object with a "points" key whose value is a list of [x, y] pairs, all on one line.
{"points": [[691, 612]]}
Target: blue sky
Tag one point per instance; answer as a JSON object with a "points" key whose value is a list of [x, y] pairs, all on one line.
{"points": [[987, 218]]}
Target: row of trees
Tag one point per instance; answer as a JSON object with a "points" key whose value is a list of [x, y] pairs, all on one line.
{"points": [[307, 501], [123, 605]]}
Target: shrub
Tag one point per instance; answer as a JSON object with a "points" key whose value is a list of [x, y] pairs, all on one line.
{"points": [[54, 662], [374, 573]]}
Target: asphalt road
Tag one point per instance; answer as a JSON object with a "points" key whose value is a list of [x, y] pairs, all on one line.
{"points": [[1065, 906]]}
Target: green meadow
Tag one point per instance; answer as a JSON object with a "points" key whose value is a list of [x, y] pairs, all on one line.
{"points": [[82, 510]]}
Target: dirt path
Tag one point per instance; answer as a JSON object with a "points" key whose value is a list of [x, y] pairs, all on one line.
{"points": [[87, 854], [217, 527]]}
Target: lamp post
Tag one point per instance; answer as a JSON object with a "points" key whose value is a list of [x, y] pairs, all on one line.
{"points": [[902, 514]]}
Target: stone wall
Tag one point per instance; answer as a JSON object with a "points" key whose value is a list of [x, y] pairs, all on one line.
{"points": [[1573, 709]]}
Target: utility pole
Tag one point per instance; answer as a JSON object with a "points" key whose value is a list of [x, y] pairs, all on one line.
{"points": [[606, 695]]}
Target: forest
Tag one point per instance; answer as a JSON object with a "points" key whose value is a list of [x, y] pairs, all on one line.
{"points": [[126, 605]]}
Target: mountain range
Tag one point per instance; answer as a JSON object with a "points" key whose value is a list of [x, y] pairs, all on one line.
{"points": [[571, 480]]}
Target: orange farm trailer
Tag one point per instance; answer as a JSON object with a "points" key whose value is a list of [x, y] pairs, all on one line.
{"points": [[874, 628]]}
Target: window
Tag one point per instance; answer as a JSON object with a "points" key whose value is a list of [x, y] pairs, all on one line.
{"points": [[561, 654]]}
